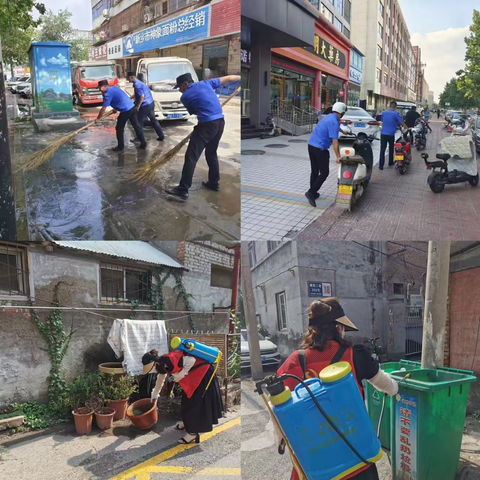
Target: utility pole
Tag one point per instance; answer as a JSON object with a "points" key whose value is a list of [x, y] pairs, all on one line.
{"points": [[236, 274], [8, 229], [436, 296], [251, 318]]}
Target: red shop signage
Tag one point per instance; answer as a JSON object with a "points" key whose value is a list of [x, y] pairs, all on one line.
{"points": [[292, 66]]}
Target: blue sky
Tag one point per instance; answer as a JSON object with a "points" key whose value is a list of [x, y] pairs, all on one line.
{"points": [[439, 27]]}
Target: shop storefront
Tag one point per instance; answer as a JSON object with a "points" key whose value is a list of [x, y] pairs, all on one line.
{"points": [[246, 60], [325, 66], [356, 73]]}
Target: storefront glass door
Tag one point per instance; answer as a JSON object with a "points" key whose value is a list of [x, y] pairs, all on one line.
{"points": [[277, 89], [305, 97]]}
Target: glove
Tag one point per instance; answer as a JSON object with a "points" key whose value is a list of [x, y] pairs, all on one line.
{"points": [[179, 376], [154, 396]]}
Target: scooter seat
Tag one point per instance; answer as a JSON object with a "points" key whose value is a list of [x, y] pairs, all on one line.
{"points": [[436, 164], [354, 159], [444, 156]]}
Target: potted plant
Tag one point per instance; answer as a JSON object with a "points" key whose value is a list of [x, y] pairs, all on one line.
{"points": [[116, 391], [104, 415], [80, 393]]}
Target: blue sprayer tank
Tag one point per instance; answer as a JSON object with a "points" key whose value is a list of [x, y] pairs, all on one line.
{"points": [[197, 349], [322, 454]]}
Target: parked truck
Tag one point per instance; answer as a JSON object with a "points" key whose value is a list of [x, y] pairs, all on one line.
{"points": [[160, 75], [85, 78]]}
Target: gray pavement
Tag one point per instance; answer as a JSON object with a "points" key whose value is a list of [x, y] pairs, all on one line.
{"points": [[125, 452], [84, 191]]}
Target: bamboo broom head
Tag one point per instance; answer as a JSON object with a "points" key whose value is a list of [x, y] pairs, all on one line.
{"points": [[147, 174]]}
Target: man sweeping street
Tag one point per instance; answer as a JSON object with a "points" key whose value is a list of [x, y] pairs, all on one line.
{"points": [[201, 100], [145, 106], [117, 99]]}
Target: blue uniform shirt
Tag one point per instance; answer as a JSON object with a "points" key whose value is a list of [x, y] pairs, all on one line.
{"points": [[116, 98], [427, 115], [391, 120], [142, 89], [325, 132], [201, 100]]}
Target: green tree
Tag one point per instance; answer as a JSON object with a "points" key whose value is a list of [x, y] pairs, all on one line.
{"points": [[469, 80], [17, 28], [456, 96], [57, 28]]}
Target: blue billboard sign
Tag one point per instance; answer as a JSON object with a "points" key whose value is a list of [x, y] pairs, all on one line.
{"points": [[187, 28], [319, 289]]}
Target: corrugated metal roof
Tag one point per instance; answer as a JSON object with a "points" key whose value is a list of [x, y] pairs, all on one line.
{"points": [[134, 250]]}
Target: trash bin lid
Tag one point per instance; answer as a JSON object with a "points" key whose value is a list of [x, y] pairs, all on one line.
{"points": [[429, 380]]}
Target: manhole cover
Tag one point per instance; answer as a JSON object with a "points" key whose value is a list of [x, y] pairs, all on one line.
{"points": [[253, 152], [276, 145], [297, 141]]}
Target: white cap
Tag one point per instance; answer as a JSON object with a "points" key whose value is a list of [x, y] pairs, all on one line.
{"points": [[339, 107]]}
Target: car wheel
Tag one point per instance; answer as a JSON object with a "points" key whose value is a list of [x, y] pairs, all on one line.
{"points": [[473, 181]]}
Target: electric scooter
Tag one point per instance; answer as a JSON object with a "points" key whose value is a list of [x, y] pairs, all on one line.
{"points": [[403, 153], [270, 128], [355, 171]]}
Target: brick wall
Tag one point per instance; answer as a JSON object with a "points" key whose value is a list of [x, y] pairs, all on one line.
{"points": [[195, 55], [446, 356], [131, 16], [199, 257], [226, 17], [234, 48]]}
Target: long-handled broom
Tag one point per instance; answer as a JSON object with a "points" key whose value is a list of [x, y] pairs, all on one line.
{"points": [[148, 173], [36, 159]]}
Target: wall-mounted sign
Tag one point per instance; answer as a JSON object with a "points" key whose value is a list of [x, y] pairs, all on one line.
{"points": [[328, 52], [178, 31], [98, 53], [246, 57], [406, 436], [292, 66], [115, 49], [319, 289], [355, 76]]}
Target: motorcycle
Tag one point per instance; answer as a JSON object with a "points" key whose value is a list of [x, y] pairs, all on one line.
{"points": [[403, 153], [457, 163], [420, 134], [270, 128], [355, 171]]}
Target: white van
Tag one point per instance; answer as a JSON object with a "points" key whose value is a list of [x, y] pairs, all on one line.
{"points": [[404, 107], [160, 74]]}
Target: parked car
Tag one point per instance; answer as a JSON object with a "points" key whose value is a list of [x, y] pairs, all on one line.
{"points": [[24, 89], [13, 85], [476, 132], [268, 351], [361, 123]]}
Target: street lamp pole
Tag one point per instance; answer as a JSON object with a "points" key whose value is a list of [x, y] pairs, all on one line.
{"points": [[8, 229]]}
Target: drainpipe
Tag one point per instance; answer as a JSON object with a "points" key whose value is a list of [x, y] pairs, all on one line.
{"points": [[236, 271], [8, 228]]}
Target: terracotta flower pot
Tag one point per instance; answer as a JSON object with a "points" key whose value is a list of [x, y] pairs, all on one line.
{"points": [[120, 407], [143, 413], [83, 420], [113, 367], [104, 418]]}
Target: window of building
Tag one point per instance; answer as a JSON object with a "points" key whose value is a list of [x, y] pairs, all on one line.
{"points": [[380, 30], [121, 283], [326, 13], [271, 246], [178, 4], [385, 79], [221, 277], [315, 3], [338, 24], [251, 253], [379, 75], [391, 82], [347, 4], [381, 8], [339, 6], [161, 8], [346, 32], [398, 289], [281, 311], [13, 270], [387, 60], [379, 52]]}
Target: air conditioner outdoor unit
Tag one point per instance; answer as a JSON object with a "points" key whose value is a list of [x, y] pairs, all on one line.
{"points": [[148, 17]]}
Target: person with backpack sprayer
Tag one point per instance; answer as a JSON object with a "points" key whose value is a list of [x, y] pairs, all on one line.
{"points": [[323, 345], [195, 372]]}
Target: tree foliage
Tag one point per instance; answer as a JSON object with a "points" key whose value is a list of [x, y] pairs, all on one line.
{"points": [[456, 96], [56, 27], [469, 79], [17, 27]]}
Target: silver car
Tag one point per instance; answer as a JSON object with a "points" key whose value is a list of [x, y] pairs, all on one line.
{"points": [[476, 132], [361, 123], [268, 351]]}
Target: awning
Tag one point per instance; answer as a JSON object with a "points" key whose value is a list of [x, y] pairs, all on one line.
{"points": [[134, 250]]}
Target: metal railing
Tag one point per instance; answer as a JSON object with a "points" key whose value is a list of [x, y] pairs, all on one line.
{"points": [[414, 330], [301, 121]]}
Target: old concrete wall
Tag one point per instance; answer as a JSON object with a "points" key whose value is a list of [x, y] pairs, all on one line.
{"points": [[24, 366]]}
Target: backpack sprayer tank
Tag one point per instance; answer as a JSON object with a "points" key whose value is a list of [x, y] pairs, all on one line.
{"points": [[197, 349], [325, 423]]}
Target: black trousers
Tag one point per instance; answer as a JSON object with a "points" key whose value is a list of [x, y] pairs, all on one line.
{"points": [[390, 140], [149, 111], [320, 166], [123, 118], [206, 136]]}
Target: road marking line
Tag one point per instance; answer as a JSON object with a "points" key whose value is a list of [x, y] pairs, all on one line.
{"points": [[221, 471], [143, 468], [166, 469]]}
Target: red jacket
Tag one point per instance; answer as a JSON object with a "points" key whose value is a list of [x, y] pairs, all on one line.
{"points": [[315, 362], [191, 382]]}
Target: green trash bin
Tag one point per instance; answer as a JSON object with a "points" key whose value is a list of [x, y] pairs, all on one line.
{"points": [[374, 401], [427, 420]]}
